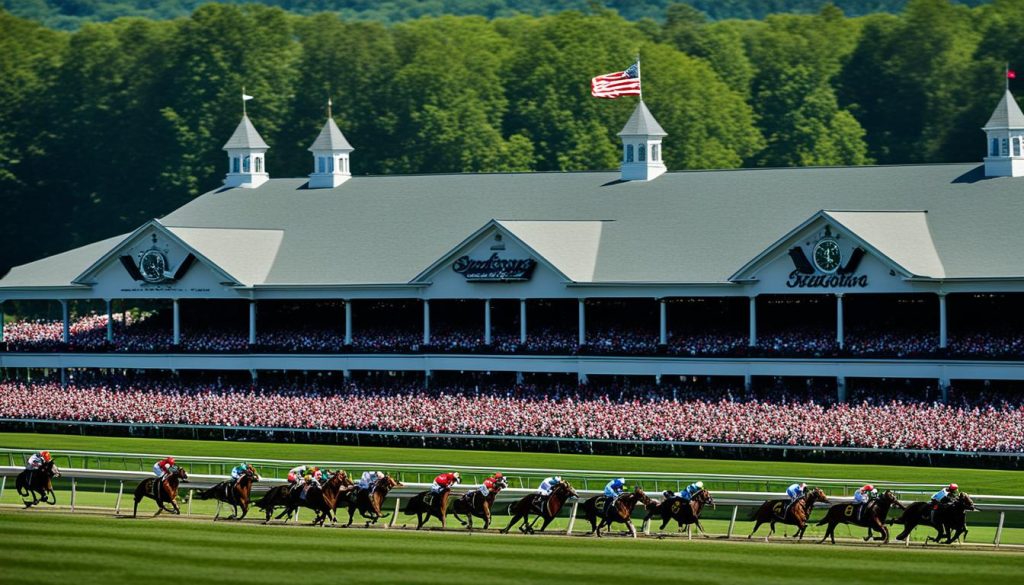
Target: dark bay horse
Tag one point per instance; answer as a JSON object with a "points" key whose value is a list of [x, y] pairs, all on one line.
{"points": [[603, 511], [475, 503], [425, 505], [549, 508], [237, 496], [798, 514], [684, 513], [949, 522], [162, 492], [369, 502], [38, 484], [322, 500], [873, 517], [288, 496]]}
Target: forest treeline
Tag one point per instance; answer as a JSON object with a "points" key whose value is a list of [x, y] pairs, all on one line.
{"points": [[116, 123], [71, 14]]}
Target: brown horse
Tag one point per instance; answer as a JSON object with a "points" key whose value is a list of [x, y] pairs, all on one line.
{"points": [[872, 517], [426, 504], [684, 513], [369, 502], [475, 503], [321, 499], [236, 495], [798, 514], [547, 509], [614, 510], [949, 522], [288, 496], [38, 484], [161, 492]]}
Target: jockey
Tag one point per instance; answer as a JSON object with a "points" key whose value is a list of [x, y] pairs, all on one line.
{"points": [[548, 484], [614, 488], [444, 482], [36, 460], [687, 494], [492, 485], [296, 473], [863, 496], [795, 492], [369, 479], [163, 467], [237, 472], [941, 498]]}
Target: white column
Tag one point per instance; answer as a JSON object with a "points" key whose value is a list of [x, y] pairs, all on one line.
{"points": [[252, 322], [177, 323], [1, 321], [348, 322], [426, 322], [663, 322], [840, 335], [752, 341], [67, 321], [944, 389], [110, 321], [943, 328], [583, 324], [522, 321], [487, 321], [841, 389]]}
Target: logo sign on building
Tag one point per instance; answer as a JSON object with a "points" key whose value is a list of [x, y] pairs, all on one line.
{"points": [[495, 268], [826, 267]]}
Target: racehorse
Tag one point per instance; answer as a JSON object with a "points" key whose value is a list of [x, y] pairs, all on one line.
{"points": [[548, 508], [873, 516], [236, 495], [946, 520], [425, 504], [597, 507], [684, 513], [161, 492], [799, 512], [475, 503], [369, 503], [38, 484], [288, 496]]}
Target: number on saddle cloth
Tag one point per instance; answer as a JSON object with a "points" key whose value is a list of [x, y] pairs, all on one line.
{"points": [[779, 510], [677, 505], [848, 511]]}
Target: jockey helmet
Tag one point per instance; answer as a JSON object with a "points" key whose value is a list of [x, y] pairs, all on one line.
{"points": [[868, 488], [803, 485], [170, 460], [380, 475], [46, 455], [953, 487], [700, 484], [557, 478], [498, 475], [457, 476]]}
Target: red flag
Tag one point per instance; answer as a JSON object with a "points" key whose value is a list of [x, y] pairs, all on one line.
{"points": [[1011, 74], [620, 83]]}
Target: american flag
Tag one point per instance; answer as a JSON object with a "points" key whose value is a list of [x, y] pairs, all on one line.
{"points": [[620, 83]]}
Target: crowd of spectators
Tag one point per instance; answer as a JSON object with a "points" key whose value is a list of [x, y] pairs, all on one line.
{"points": [[89, 333], [636, 412]]}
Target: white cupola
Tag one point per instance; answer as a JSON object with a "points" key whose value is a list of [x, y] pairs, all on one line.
{"points": [[330, 156], [1005, 134], [641, 146], [247, 153]]}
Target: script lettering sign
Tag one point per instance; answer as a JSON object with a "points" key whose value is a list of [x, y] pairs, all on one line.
{"points": [[494, 269]]}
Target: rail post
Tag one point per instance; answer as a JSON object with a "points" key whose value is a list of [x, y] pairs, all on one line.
{"points": [[394, 517], [572, 516], [732, 522], [74, 486], [219, 504], [999, 529], [188, 511], [117, 505], [3, 484]]}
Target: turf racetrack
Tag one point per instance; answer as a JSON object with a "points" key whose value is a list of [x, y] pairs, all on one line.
{"points": [[88, 549]]}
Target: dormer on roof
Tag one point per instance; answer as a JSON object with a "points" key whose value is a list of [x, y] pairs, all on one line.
{"points": [[1005, 133], [330, 156], [641, 146], [246, 154]]}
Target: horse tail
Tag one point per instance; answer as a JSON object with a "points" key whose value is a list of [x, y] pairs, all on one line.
{"points": [[757, 512], [412, 505], [267, 501], [206, 494]]}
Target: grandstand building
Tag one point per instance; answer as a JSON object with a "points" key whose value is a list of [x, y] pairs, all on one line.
{"points": [[796, 272]]}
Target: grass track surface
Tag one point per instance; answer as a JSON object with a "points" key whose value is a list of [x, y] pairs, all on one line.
{"points": [[95, 549], [981, 481]]}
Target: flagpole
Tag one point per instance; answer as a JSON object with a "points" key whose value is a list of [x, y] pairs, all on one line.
{"points": [[1006, 76], [639, 78], [243, 100]]}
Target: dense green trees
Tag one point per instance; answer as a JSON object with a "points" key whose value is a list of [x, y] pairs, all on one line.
{"points": [[115, 123]]}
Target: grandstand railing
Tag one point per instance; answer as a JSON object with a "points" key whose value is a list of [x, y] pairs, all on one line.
{"points": [[557, 441], [735, 499]]}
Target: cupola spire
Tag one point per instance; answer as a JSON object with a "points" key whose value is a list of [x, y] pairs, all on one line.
{"points": [[641, 146], [1005, 137], [330, 156], [246, 154]]}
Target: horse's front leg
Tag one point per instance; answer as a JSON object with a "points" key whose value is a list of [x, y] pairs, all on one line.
{"points": [[632, 529]]}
